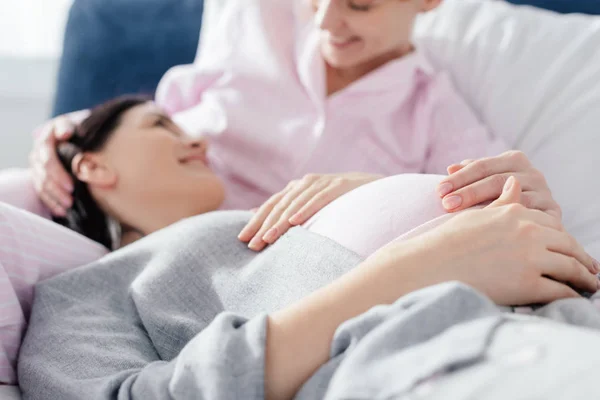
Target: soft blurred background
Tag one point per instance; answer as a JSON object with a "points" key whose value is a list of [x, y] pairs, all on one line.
{"points": [[58, 56], [31, 33]]}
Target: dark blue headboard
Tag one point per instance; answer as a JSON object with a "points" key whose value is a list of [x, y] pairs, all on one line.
{"points": [[115, 47], [565, 6]]}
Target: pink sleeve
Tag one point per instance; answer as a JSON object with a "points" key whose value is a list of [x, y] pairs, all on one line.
{"points": [[180, 93], [16, 189], [31, 249], [456, 133], [181, 89]]}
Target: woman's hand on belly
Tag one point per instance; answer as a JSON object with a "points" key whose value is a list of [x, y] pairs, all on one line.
{"points": [[296, 204], [474, 182], [513, 254]]}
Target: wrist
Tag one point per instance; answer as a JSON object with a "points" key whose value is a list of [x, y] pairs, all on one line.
{"points": [[412, 265]]}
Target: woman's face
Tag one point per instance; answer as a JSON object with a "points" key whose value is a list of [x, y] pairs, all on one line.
{"points": [[160, 175], [360, 32]]}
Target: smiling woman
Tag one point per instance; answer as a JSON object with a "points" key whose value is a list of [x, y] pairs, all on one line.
{"points": [[127, 153]]}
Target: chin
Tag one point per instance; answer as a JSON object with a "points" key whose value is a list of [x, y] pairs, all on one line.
{"points": [[340, 61]]}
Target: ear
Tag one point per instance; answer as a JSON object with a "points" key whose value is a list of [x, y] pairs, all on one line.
{"points": [[91, 169], [428, 5]]}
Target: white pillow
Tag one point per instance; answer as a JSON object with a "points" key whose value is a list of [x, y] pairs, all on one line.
{"points": [[534, 78]]}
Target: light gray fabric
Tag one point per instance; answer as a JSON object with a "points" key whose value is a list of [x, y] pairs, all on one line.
{"points": [[139, 322], [450, 342], [9, 393], [156, 321]]}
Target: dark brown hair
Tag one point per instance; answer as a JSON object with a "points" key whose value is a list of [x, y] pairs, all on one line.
{"points": [[85, 216]]}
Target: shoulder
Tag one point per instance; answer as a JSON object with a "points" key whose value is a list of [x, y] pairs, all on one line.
{"points": [[242, 29], [434, 86]]}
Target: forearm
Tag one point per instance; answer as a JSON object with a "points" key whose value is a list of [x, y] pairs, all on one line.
{"points": [[299, 337]]}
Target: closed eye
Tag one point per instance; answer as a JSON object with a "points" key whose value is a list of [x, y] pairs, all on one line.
{"points": [[351, 5], [160, 121], [358, 7], [167, 123]]}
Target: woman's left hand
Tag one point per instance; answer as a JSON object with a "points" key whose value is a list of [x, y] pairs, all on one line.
{"points": [[473, 182], [296, 204]]}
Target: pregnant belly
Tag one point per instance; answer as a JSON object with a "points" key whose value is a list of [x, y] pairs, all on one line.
{"points": [[368, 218]]}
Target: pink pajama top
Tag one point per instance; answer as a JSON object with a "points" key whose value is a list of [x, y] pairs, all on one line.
{"points": [[257, 90]]}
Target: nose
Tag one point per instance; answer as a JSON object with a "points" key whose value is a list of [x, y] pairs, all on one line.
{"points": [[197, 144], [328, 16]]}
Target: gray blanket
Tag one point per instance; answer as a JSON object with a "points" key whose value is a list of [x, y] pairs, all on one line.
{"points": [[182, 315]]}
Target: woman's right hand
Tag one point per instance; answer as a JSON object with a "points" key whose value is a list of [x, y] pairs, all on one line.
{"points": [[52, 183], [512, 254]]}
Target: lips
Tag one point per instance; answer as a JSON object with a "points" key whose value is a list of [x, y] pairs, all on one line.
{"points": [[195, 157], [343, 43]]}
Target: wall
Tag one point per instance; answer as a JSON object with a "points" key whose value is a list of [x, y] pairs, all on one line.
{"points": [[30, 41], [26, 92]]}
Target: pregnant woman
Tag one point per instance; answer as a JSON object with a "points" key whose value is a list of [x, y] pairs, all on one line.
{"points": [[170, 180]]}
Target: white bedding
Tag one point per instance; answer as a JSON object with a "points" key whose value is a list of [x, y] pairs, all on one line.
{"points": [[534, 78]]}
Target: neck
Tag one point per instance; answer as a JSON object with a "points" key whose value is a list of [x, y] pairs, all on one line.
{"points": [[340, 78], [131, 217]]}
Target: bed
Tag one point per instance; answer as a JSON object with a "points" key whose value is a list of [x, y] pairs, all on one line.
{"points": [[534, 77]]}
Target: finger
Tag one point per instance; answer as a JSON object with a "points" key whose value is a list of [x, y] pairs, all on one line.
{"points": [[57, 193], [259, 217], [511, 193], [512, 162], [55, 208], [53, 168], [566, 269], [541, 201], [284, 223], [257, 244], [276, 214], [44, 184], [314, 205], [454, 168], [543, 219], [487, 189], [57, 173], [58, 198], [563, 243], [63, 128], [253, 232], [445, 187], [549, 290]]}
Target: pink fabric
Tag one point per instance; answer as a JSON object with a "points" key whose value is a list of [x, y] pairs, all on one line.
{"points": [[31, 249], [394, 208], [16, 188], [257, 90]]}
